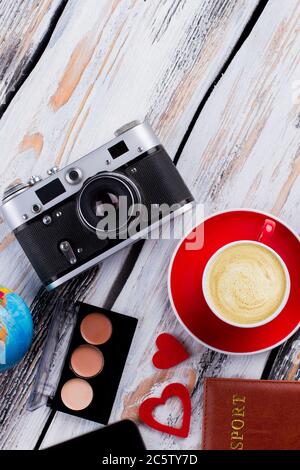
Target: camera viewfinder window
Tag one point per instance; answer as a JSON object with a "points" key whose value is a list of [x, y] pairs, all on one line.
{"points": [[119, 149], [50, 191]]}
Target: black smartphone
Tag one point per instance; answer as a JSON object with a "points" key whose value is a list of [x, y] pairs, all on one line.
{"points": [[120, 436]]}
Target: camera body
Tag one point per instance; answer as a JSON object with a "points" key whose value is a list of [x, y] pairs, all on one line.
{"points": [[56, 220]]}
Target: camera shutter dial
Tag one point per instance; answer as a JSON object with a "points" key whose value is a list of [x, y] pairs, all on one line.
{"points": [[14, 189], [126, 127]]}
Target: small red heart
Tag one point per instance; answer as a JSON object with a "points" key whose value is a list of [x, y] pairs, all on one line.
{"points": [[148, 406], [170, 352]]}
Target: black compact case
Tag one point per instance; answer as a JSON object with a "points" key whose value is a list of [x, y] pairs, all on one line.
{"points": [[104, 385]]}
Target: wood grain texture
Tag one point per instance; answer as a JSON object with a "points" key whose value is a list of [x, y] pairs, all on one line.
{"points": [[287, 362], [107, 63], [24, 25], [243, 151]]}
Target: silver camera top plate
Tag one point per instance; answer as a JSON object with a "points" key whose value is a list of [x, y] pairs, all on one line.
{"points": [[22, 206]]}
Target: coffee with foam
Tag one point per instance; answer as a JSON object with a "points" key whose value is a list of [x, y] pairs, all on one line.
{"points": [[246, 283]]}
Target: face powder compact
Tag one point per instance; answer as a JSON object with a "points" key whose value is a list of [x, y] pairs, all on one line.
{"points": [[92, 365]]}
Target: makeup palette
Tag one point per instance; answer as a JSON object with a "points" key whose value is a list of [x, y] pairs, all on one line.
{"points": [[92, 365]]}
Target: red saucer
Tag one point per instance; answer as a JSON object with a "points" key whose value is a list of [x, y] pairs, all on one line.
{"points": [[185, 284]]}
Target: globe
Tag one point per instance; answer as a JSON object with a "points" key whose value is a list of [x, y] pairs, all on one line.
{"points": [[16, 328]]}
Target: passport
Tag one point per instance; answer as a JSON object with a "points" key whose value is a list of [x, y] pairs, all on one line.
{"points": [[244, 414]]}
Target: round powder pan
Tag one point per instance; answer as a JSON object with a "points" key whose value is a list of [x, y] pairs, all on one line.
{"points": [[87, 361], [96, 329], [77, 394], [93, 363]]}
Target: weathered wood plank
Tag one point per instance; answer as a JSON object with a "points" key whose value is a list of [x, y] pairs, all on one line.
{"points": [[286, 365], [243, 151], [107, 63], [24, 26]]}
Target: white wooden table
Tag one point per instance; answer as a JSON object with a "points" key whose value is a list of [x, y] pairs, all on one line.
{"points": [[219, 81]]}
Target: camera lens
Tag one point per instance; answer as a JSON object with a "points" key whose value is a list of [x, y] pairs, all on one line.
{"points": [[103, 198], [104, 193]]}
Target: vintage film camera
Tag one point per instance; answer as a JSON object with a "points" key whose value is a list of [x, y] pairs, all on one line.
{"points": [[55, 219]]}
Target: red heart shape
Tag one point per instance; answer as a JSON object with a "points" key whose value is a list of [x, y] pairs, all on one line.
{"points": [[148, 406], [170, 352]]}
